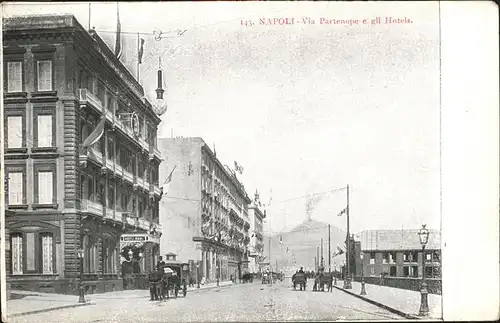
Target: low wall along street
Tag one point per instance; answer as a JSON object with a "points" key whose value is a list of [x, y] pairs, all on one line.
{"points": [[409, 283]]}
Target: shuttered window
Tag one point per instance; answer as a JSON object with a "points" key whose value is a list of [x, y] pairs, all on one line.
{"points": [[44, 77], [17, 253], [45, 130], [47, 256], [14, 131], [14, 76], [15, 187], [45, 187]]}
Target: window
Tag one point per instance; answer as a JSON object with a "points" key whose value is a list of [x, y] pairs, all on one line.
{"points": [[45, 130], [90, 255], [47, 256], [414, 271], [101, 92], [392, 271], [414, 256], [109, 256], [16, 188], [372, 271], [428, 257], [15, 131], [406, 271], [392, 257], [44, 75], [16, 242], [45, 187], [385, 258], [111, 196], [14, 76], [372, 258], [406, 257], [111, 151], [428, 271]]}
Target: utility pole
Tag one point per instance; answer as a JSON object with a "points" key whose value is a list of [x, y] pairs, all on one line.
{"points": [[347, 281], [329, 252], [317, 257], [322, 261]]}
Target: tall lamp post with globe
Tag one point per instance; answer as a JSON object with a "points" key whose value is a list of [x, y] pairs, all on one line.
{"points": [[81, 290], [363, 290], [423, 234], [159, 105]]}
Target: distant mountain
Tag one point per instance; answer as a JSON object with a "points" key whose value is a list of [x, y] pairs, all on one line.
{"points": [[302, 241]]}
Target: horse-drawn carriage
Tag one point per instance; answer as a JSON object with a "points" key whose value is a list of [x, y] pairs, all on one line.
{"points": [[267, 278], [321, 280], [169, 279], [300, 280]]}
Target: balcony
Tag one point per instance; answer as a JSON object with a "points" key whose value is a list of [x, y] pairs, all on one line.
{"points": [[156, 190], [144, 145], [92, 154], [128, 176], [110, 214], [86, 98], [91, 207], [118, 170], [110, 165]]}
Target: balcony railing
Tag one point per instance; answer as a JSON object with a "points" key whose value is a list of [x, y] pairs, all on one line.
{"points": [[110, 214], [95, 155], [128, 176], [156, 190], [87, 98], [110, 165], [91, 207]]}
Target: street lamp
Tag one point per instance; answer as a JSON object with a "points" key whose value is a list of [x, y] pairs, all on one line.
{"points": [[335, 274], [197, 275], [81, 290], [363, 290], [423, 234]]}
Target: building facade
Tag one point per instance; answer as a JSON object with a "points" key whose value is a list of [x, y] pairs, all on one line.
{"points": [[206, 209], [256, 236], [75, 207], [398, 253]]}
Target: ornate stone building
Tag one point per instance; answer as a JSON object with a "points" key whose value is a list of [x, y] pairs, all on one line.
{"points": [[256, 236], [63, 86], [206, 208]]}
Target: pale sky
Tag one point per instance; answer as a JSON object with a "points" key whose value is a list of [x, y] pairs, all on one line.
{"points": [[303, 108]]}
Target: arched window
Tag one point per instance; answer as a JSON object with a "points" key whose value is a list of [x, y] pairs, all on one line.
{"points": [[47, 253], [109, 256], [16, 240], [86, 253]]}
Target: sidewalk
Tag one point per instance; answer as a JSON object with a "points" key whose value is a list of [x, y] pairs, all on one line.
{"points": [[401, 301], [36, 302]]}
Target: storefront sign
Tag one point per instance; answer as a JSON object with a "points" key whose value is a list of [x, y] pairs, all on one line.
{"points": [[135, 238]]}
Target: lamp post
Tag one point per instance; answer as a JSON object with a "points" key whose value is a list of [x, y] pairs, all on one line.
{"points": [[363, 290], [81, 290], [335, 274], [423, 234], [197, 275]]}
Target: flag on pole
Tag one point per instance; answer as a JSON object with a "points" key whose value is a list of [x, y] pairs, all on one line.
{"points": [[238, 168], [95, 135], [141, 50], [118, 43], [168, 180], [343, 211]]}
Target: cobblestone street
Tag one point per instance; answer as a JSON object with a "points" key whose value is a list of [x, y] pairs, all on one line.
{"points": [[246, 302]]}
